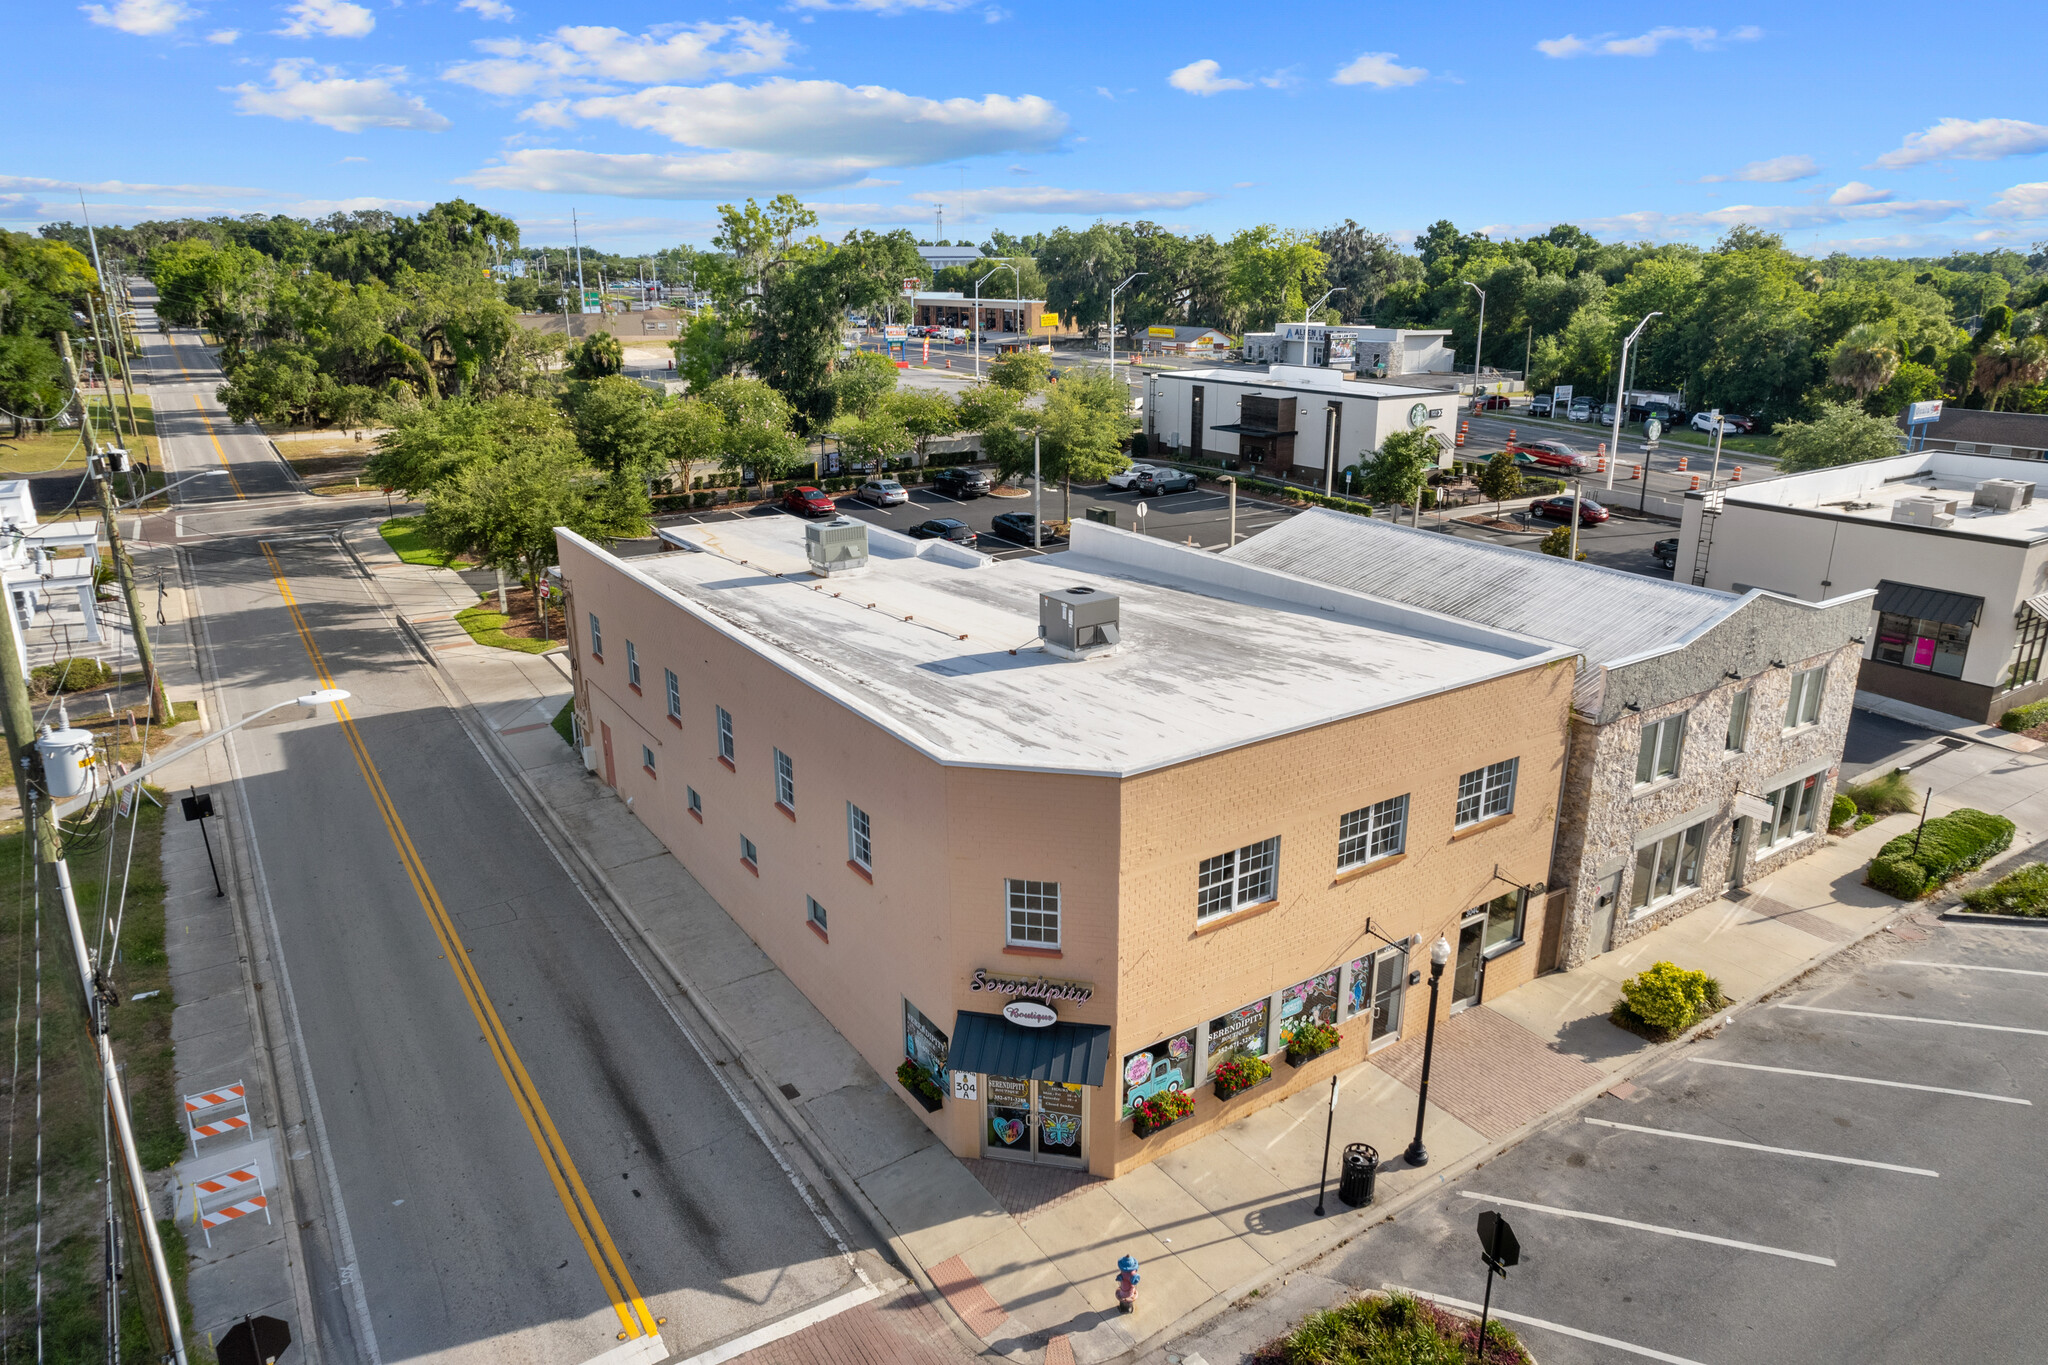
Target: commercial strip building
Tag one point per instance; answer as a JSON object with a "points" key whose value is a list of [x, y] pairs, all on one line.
{"points": [[1975, 431], [1377, 352], [1955, 547], [1706, 728], [1064, 832], [1002, 322], [1290, 421]]}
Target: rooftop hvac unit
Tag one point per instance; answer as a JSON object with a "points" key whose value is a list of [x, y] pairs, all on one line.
{"points": [[1079, 623], [1935, 512], [2003, 495], [839, 546]]}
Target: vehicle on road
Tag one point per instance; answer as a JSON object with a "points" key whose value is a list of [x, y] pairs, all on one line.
{"points": [[1129, 475], [1157, 481], [1017, 526], [1487, 402], [1549, 455], [1665, 552], [1581, 410], [1559, 508], [808, 502], [944, 528], [1539, 406], [882, 493], [958, 482]]}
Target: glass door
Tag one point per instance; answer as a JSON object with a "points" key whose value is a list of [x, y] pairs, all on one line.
{"points": [[1059, 1117], [1471, 970], [1007, 1133], [1042, 1121], [1388, 973]]}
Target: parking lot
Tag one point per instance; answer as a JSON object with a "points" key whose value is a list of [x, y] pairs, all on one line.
{"points": [[1853, 1171]]}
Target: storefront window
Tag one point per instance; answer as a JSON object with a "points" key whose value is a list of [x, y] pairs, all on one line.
{"points": [[1241, 1033], [1503, 921], [925, 1044], [1166, 1065], [1666, 868], [1310, 1001], [1794, 808], [2029, 642], [1915, 642]]}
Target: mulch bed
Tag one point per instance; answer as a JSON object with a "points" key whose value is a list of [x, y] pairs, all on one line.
{"points": [[523, 621]]}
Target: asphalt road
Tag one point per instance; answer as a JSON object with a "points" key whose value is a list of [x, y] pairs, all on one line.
{"points": [[1852, 1173], [529, 1156]]}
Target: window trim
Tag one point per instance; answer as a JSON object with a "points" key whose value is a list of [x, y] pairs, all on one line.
{"points": [[1370, 834], [726, 747], [1802, 692], [816, 916], [1265, 878], [1011, 909], [632, 666], [694, 803], [647, 759], [1740, 707], [596, 637], [1653, 735], [785, 781], [1514, 767], [673, 687], [860, 838], [1653, 901], [750, 856]]}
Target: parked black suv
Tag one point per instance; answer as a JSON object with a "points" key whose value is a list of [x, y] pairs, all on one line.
{"points": [[957, 482]]}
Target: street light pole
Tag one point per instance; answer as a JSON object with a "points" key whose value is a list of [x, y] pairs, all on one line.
{"points": [[977, 309], [1112, 323], [1329, 1127], [1620, 402], [1439, 954], [1479, 344], [1232, 481]]}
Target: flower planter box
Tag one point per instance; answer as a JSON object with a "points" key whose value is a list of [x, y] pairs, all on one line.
{"points": [[1225, 1092], [1140, 1128], [1237, 1076], [931, 1103], [1311, 1042], [1162, 1111], [926, 1095], [1304, 1058]]}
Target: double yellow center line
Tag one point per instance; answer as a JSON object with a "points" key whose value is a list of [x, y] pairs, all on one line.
{"points": [[200, 403], [554, 1152]]}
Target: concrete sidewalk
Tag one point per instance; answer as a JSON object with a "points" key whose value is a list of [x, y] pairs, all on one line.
{"points": [[1023, 1257]]}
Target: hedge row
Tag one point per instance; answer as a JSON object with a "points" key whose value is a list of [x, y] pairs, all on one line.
{"points": [[1948, 844], [2023, 718]]}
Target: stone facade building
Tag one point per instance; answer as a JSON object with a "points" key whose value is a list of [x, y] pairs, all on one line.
{"points": [[1707, 727]]}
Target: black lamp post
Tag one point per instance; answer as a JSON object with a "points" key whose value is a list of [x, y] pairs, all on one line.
{"points": [[1439, 955]]}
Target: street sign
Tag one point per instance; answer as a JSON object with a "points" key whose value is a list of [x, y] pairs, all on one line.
{"points": [[544, 590], [1561, 396], [1929, 411], [1497, 1241], [254, 1341], [1652, 430]]}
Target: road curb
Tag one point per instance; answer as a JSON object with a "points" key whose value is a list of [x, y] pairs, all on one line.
{"points": [[1654, 1055], [2016, 921]]}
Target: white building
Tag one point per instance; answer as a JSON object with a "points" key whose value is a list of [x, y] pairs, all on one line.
{"points": [[1955, 545], [1289, 419], [1382, 352], [47, 568], [945, 257]]}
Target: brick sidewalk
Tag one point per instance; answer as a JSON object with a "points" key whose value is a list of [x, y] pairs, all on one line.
{"points": [[902, 1329], [1489, 1071]]}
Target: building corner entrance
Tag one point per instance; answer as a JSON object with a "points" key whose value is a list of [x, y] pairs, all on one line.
{"points": [[1037, 1121]]}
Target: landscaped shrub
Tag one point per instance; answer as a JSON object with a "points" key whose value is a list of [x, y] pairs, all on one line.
{"points": [[1914, 864], [69, 675], [1665, 1000], [2024, 892], [1394, 1330], [2024, 717], [919, 1082], [1842, 812], [1888, 794]]}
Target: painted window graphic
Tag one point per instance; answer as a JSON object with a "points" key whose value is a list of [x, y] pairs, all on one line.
{"points": [[1166, 1065]]}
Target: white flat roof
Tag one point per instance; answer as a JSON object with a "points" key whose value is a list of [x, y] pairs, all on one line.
{"points": [[1868, 490], [1295, 379], [1213, 655]]}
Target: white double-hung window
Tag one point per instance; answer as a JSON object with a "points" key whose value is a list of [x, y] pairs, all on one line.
{"points": [[1241, 877], [1663, 740], [1487, 792], [1372, 832], [1034, 913]]}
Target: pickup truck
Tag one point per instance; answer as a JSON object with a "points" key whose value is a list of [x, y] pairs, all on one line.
{"points": [[1539, 406]]}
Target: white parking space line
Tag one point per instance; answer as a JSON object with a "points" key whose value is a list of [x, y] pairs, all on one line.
{"points": [[1965, 967], [1760, 1147], [1862, 1080], [1464, 1307], [1916, 1019], [1657, 1228]]}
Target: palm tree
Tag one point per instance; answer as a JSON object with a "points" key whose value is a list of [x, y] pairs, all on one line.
{"points": [[2005, 364], [1865, 359]]}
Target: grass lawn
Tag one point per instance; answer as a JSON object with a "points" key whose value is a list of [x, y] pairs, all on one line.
{"points": [[50, 449], [402, 534], [71, 1104], [2024, 892], [564, 722], [486, 625]]}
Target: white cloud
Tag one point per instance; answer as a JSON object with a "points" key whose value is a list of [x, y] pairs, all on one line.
{"points": [[21, 208], [1645, 44], [649, 176], [864, 125], [36, 182], [142, 17], [490, 9], [223, 36], [886, 6], [1381, 70], [549, 114], [1955, 139], [1200, 78], [589, 58], [1046, 199], [1776, 171], [320, 208], [1775, 217], [327, 19], [300, 90], [2021, 201], [1856, 192]]}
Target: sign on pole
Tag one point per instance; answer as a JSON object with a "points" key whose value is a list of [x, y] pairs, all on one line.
{"points": [[1929, 411], [1497, 1240]]}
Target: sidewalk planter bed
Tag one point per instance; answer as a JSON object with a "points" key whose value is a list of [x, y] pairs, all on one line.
{"points": [[1163, 1110], [2024, 892], [1890, 794], [1665, 1000], [1946, 845], [1311, 1041], [1842, 813], [1392, 1330], [918, 1082], [1241, 1074], [2021, 719]]}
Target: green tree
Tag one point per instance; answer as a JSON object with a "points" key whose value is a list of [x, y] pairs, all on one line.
{"points": [[1021, 372], [349, 406], [1080, 430], [924, 414], [861, 383], [1910, 383], [31, 379], [1400, 469], [2004, 363], [708, 350], [1840, 433], [756, 434], [504, 513], [688, 430], [596, 356], [278, 384], [1559, 543], [1500, 478], [1864, 360], [428, 445], [870, 441], [614, 422]]}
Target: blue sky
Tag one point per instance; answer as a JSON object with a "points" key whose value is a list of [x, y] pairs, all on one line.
{"points": [[1909, 131]]}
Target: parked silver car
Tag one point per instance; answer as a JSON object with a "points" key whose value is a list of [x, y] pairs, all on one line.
{"points": [[882, 493], [1130, 474]]}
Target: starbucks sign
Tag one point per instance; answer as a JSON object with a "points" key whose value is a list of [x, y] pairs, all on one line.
{"points": [[1418, 416]]}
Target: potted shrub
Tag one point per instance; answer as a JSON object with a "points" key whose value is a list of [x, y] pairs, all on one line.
{"points": [[1241, 1073], [1163, 1110], [919, 1083], [1311, 1041]]}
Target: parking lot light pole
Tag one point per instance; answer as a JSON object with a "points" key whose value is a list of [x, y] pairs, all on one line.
{"points": [[1439, 954], [977, 309], [1479, 344], [1112, 326], [1232, 481], [1621, 402]]}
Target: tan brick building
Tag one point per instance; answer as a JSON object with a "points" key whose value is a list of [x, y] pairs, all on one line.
{"points": [[1251, 800]]}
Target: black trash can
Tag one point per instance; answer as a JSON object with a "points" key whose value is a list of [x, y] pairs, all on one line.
{"points": [[1361, 1174]]}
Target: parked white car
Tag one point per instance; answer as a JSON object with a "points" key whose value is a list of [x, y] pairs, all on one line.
{"points": [[1124, 478], [882, 493]]}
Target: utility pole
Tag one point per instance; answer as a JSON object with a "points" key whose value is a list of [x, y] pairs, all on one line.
{"points": [[124, 569], [121, 355], [576, 234]]}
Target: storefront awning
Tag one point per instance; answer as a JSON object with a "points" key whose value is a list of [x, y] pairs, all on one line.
{"points": [[1929, 604], [1254, 429], [2038, 604], [1077, 1054]]}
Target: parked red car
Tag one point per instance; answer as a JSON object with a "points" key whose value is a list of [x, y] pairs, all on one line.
{"points": [[1549, 455], [1560, 509], [808, 502]]}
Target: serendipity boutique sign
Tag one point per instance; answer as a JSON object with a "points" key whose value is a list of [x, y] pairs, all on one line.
{"points": [[1031, 987], [1030, 1014]]}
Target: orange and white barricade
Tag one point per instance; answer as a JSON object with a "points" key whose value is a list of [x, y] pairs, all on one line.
{"points": [[222, 1198], [216, 1113]]}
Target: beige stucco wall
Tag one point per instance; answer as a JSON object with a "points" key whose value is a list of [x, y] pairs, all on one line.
{"points": [[1125, 852]]}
